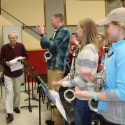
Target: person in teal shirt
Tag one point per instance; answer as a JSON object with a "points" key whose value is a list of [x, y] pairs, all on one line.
{"points": [[111, 106]]}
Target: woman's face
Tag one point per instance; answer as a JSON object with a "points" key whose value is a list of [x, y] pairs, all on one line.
{"points": [[99, 38], [80, 33], [112, 32], [73, 38]]}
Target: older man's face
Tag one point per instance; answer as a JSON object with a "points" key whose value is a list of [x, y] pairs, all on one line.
{"points": [[12, 38]]}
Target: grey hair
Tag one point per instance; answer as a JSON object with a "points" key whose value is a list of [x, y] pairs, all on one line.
{"points": [[14, 33]]}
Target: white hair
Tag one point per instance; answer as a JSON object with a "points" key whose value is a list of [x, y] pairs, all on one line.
{"points": [[13, 32]]}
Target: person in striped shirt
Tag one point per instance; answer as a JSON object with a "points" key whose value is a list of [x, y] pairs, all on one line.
{"points": [[111, 98], [87, 58]]}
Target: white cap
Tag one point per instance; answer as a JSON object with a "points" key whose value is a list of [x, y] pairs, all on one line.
{"points": [[117, 15]]}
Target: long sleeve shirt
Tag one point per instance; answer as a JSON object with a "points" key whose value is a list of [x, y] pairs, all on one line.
{"points": [[58, 47], [87, 58], [8, 53], [113, 109]]}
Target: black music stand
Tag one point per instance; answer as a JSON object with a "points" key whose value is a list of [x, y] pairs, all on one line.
{"points": [[29, 73], [43, 87], [32, 79]]}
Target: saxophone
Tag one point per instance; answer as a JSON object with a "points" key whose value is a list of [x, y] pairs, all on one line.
{"points": [[100, 82], [47, 55], [69, 93]]}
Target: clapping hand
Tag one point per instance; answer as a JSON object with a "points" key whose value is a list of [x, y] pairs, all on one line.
{"points": [[40, 29]]}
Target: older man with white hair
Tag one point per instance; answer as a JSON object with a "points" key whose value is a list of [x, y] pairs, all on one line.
{"points": [[12, 79]]}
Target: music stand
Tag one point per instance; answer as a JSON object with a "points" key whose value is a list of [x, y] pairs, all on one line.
{"points": [[44, 88], [29, 71]]}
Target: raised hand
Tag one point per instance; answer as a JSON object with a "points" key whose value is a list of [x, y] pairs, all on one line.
{"points": [[40, 29]]}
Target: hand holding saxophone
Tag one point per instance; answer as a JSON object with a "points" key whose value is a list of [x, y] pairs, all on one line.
{"points": [[88, 75], [78, 92], [84, 94], [57, 83], [90, 95]]}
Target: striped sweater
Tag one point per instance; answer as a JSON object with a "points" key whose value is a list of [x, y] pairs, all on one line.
{"points": [[87, 58]]}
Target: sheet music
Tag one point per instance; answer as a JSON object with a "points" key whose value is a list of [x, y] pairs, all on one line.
{"points": [[16, 64], [58, 103]]}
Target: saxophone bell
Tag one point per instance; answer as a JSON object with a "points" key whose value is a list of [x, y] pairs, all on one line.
{"points": [[93, 105], [69, 95], [47, 55]]}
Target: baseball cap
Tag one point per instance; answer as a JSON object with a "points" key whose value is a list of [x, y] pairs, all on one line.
{"points": [[117, 15]]}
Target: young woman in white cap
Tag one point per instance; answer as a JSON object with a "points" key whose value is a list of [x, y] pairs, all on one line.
{"points": [[111, 107]]}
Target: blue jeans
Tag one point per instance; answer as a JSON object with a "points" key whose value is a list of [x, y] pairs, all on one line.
{"points": [[82, 112]]}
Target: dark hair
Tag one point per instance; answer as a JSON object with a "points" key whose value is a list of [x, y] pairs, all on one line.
{"points": [[60, 16], [75, 34]]}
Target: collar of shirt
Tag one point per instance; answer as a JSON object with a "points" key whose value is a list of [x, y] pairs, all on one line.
{"points": [[12, 46], [115, 46], [61, 26], [56, 31], [118, 43]]}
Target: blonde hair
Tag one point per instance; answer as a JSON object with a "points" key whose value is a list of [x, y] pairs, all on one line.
{"points": [[120, 24], [89, 32], [100, 43]]}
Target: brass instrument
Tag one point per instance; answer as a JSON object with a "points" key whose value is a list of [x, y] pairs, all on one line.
{"points": [[100, 82], [92, 103], [69, 93], [47, 55]]}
